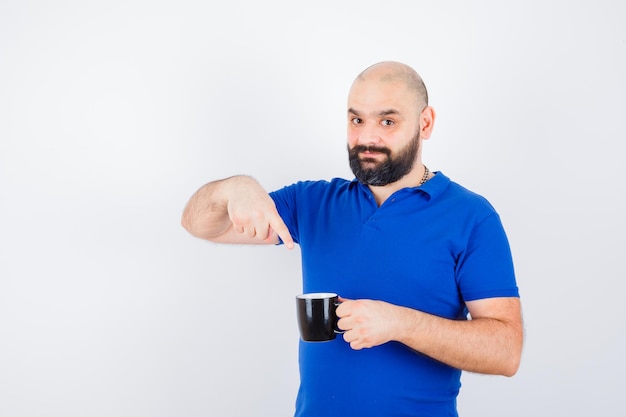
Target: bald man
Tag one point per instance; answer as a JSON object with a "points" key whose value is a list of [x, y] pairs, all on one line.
{"points": [[423, 265]]}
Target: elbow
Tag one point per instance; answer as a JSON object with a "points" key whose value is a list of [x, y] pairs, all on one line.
{"points": [[513, 359], [512, 363], [200, 229], [187, 224], [184, 222], [511, 367], [504, 366]]}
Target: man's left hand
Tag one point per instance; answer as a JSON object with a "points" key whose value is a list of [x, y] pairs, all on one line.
{"points": [[367, 323]]}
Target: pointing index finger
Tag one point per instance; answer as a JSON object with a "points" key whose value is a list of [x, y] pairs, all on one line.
{"points": [[283, 232]]}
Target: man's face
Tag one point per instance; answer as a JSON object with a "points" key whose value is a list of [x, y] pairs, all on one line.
{"points": [[390, 169], [383, 131]]}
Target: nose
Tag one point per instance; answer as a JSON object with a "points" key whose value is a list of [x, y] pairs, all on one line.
{"points": [[368, 134]]}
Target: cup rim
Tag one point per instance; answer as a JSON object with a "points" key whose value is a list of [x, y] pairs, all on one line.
{"points": [[316, 295]]}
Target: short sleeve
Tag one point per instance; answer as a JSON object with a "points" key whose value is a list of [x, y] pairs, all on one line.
{"points": [[485, 269]]}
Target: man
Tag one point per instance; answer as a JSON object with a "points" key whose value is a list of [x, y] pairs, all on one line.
{"points": [[423, 264]]}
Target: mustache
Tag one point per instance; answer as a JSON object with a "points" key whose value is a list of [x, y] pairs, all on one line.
{"points": [[370, 148]]}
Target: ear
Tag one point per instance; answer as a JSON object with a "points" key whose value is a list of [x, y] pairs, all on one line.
{"points": [[427, 122]]}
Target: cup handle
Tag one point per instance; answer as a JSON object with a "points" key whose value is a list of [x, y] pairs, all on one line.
{"points": [[336, 329]]}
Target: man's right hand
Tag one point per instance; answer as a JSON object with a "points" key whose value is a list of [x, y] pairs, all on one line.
{"points": [[235, 210], [253, 213]]}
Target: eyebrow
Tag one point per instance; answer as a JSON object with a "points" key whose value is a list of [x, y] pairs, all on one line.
{"points": [[380, 113]]}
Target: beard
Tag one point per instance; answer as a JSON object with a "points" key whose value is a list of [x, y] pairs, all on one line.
{"points": [[387, 171]]}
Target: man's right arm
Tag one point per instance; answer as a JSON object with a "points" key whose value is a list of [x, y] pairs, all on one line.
{"points": [[235, 210]]}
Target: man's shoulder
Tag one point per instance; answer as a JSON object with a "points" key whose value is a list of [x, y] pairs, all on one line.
{"points": [[464, 196], [320, 186]]}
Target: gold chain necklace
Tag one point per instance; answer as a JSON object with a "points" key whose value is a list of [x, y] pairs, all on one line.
{"points": [[425, 177]]}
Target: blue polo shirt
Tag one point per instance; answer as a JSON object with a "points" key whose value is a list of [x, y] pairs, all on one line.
{"points": [[429, 248]]}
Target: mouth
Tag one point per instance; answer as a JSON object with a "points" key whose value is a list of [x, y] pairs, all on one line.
{"points": [[370, 158], [371, 151]]}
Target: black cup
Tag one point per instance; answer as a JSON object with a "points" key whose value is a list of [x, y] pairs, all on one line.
{"points": [[317, 319]]}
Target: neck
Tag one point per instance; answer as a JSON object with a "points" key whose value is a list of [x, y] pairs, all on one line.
{"points": [[415, 178]]}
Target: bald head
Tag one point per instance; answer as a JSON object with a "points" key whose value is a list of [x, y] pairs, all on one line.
{"points": [[390, 71]]}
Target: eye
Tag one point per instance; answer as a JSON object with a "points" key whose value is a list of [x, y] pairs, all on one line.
{"points": [[386, 122], [356, 121]]}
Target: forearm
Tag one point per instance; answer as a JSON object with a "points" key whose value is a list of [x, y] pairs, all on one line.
{"points": [[483, 345], [206, 213], [235, 210]]}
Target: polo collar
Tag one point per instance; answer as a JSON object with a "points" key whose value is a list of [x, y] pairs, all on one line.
{"points": [[434, 187]]}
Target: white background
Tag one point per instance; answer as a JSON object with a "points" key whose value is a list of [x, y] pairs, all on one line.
{"points": [[113, 113]]}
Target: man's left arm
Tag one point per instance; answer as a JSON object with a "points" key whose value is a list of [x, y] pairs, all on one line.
{"points": [[490, 343]]}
